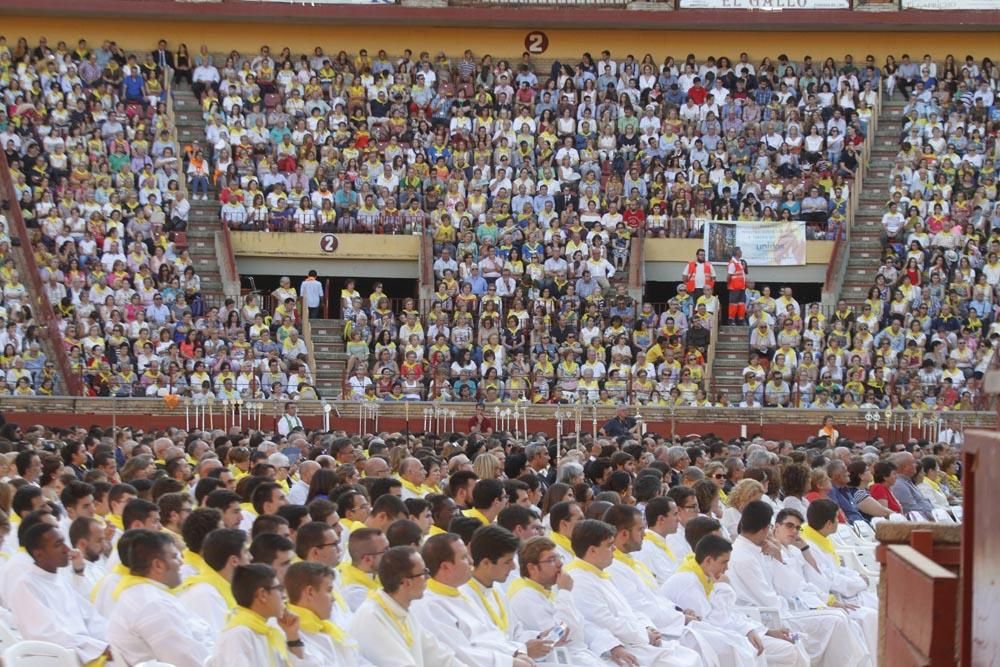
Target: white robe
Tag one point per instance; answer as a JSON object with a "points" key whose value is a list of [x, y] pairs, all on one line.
{"points": [[719, 610], [514, 632], [205, 603], [11, 572], [827, 580], [460, 624], [84, 583], [827, 634], [54, 612], [322, 651], [240, 646], [537, 613], [101, 593], [658, 560], [383, 644], [678, 544], [601, 604], [148, 623]]}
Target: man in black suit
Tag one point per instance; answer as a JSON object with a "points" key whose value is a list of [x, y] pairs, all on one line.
{"points": [[162, 56]]}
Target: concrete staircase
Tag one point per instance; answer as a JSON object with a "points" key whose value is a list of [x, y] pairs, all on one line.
{"points": [[331, 359], [203, 222], [732, 351], [866, 244]]}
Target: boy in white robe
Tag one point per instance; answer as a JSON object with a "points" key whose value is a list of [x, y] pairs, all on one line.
{"points": [[662, 521], [208, 595], [563, 518], [147, 622], [447, 613], [539, 607], [17, 565], [828, 636], [358, 577], [88, 564], [493, 549], [310, 596], [604, 606], [382, 626], [687, 509], [700, 584], [47, 606], [249, 637]]}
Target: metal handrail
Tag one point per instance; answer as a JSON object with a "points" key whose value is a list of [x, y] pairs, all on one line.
{"points": [[43, 312]]}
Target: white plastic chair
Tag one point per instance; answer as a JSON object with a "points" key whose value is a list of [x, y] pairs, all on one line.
{"points": [[862, 563], [155, 663], [8, 636], [39, 654], [845, 536], [866, 532], [896, 517], [941, 515]]}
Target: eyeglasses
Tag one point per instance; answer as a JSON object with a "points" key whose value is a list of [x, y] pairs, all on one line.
{"points": [[550, 561], [331, 544], [719, 476], [425, 573], [791, 525]]}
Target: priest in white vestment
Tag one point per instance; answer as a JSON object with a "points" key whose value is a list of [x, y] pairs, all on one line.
{"points": [[603, 605], [383, 627], [451, 616], [208, 595], [662, 521], [147, 622], [563, 518], [828, 636], [310, 595], [701, 585], [47, 606], [359, 574]]}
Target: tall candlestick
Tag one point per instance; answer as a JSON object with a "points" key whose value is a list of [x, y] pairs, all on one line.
{"points": [[375, 414], [211, 413], [361, 417], [225, 415], [453, 412], [593, 421], [187, 413]]}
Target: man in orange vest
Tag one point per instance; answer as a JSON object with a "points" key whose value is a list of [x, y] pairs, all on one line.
{"points": [[699, 274], [736, 282]]}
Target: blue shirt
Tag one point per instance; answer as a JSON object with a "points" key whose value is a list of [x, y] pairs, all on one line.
{"points": [[845, 499]]}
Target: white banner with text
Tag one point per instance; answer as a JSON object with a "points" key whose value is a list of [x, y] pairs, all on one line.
{"points": [[766, 5], [951, 4], [762, 243]]}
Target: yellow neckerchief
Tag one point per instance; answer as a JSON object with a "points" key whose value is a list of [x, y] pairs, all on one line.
{"points": [[689, 564], [497, 615], [310, 622], [413, 488], [724, 497], [561, 540], [639, 568], [821, 541], [580, 564], [476, 514], [427, 489], [248, 507], [99, 661], [522, 583], [247, 618], [444, 589], [351, 524], [352, 574], [931, 483], [283, 483], [237, 473], [129, 580], [15, 519], [118, 569], [435, 530], [194, 560], [661, 543], [213, 579], [400, 623], [115, 521]]}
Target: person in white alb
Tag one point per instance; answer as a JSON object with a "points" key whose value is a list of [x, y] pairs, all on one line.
{"points": [[828, 636], [412, 474], [563, 518], [46, 605], [208, 595], [147, 622], [312, 293], [290, 420], [309, 587], [382, 626], [604, 606], [493, 549], [359, 575], [662, 520], [700, 584], [537, 606], [12, 569], [299, 489], [448, 614], [638, 585], [250, 638], [88, 565]]}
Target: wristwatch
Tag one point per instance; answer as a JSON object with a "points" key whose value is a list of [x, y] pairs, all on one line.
{"points": [[297, 643]]}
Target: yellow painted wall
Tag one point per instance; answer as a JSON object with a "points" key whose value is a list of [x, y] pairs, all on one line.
{"points": [[683, 250], [308, 246], [135, 34]]}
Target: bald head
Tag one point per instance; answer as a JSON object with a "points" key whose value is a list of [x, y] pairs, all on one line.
{"points": [[906, 465], [307, 469], [377, 467], [412, 470], [161, 445]]}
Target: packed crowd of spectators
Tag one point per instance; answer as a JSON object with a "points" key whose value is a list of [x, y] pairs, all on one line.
{"points": [[531, 184], [145, 512], [933, 306], [86, 134]]}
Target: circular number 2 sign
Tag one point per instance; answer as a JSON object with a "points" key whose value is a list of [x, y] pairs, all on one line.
{"points": [[328, 243], [536, 42]]}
